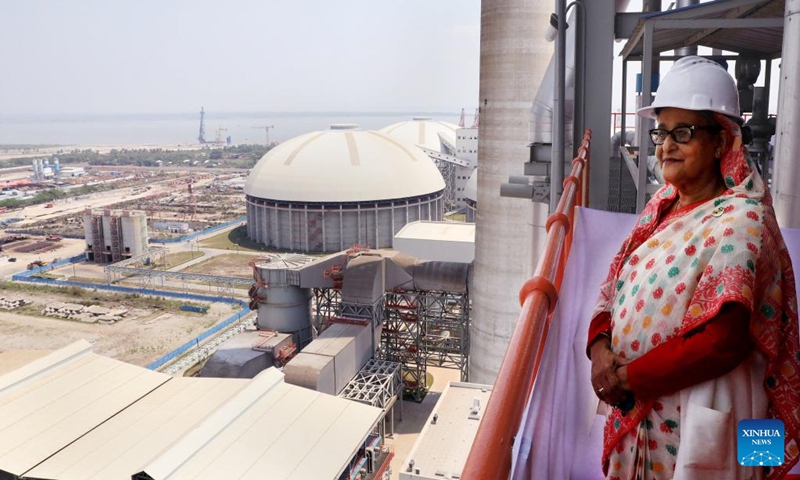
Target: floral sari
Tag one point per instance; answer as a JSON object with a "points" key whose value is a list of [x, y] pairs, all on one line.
{"points": [[672, 275]]}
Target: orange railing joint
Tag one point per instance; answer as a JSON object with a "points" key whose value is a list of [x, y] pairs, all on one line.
{"points": [[557, 217], [573, 180], [543, 285]]}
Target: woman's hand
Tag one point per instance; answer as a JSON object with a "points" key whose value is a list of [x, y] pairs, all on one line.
{"points": [[605, 382]]}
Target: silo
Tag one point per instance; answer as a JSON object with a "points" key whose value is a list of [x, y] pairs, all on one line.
{"points": [[134, 236], [87, 228], [514, 57], [107, 236], [325, 191], [425, 132]]}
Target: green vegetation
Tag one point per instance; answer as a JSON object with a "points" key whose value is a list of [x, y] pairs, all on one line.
{"points": [[87, 297], [56, 194], [456, 217], [229, 265], [238, 156], [174, 259], [235, 239]]}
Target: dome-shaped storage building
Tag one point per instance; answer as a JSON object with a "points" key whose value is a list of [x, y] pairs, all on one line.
{"points": [[325, 191], [425, 132]]}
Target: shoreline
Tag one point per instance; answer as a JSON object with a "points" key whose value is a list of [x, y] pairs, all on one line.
{"points": [[48, 151]]}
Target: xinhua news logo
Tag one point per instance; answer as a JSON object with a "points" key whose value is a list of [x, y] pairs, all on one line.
{"points": [[760, 443]]}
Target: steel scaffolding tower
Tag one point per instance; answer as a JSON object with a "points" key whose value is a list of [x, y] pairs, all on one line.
{"points": [[446, 324], [401, 341]]}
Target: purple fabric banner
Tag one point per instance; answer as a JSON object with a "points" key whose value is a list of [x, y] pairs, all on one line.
{"points": [[561, 436]]}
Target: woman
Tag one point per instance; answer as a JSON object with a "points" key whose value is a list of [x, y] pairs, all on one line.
{"points": [[696, 326]]}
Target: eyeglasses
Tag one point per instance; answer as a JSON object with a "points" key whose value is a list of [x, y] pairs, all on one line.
{"points": [[682, 134]]}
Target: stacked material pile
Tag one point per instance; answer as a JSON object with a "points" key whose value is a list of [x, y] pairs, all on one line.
{"points": [[91, 314], [10, 303]]}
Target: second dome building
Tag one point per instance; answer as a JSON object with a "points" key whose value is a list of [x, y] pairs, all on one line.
{"points": [[325, 191]]}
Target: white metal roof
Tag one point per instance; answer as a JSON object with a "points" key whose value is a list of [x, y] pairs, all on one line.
{"points": [[343, 165], [76, 415], [423, 131], [442, 448], [447, 231]]}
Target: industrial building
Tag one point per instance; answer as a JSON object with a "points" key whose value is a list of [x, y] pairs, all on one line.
{"points": [[471, 196], [439, 241], [444, 442], [454, 148], [43, 170], [114, 235], [325, 191], [71, 414], [364, 305]]}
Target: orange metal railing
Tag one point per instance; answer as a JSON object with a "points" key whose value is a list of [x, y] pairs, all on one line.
{"points": [[490, 456]]}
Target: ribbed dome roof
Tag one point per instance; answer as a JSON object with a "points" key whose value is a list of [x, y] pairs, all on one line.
{"points": [[343, 165], [423, 131], [471, 188]]}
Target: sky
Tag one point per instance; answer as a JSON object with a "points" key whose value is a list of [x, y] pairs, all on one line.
{"points": [[174, 56]]}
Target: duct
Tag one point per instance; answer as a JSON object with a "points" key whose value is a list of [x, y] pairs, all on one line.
{"points": [[542, 113], [762, 128], [363, 280], [686, 51], [786, 194], [399, 271], [621, 5], [441, 276]]}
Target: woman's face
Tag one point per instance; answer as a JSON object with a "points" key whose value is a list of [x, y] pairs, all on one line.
{"points": [[693, 165]]}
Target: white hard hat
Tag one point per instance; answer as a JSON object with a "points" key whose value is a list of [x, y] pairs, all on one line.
{"points": [[696, 83]]}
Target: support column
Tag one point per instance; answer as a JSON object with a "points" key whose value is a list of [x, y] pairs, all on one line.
{"points": [[514, 57], [787, 147]]}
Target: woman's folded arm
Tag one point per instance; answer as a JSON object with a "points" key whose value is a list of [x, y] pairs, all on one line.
{"points": [[707, 352]]}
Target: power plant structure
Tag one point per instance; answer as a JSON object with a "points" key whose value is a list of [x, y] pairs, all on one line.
{"points": [[453, 148], [43, 169], [327, 190], [471, 196], [379, 310], [114, 235]]}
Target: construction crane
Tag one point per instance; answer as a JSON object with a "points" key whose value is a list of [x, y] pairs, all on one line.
{"points": [[461, 122], [266, 129], [202, 136]]}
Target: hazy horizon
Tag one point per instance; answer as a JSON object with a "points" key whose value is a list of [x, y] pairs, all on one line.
{"points": [[91, 57]]}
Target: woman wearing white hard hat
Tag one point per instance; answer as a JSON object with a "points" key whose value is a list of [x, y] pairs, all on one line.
{"points": [[696, 326]]}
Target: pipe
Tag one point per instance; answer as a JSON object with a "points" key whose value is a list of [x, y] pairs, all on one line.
{"points": [[686, 51], [787, 150], [579, 72], [557, 167]]}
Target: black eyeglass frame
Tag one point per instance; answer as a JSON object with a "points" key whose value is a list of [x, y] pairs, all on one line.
{"points": [[657, 131]]}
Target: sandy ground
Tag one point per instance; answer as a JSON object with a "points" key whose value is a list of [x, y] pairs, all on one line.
{"points": [[66, 248], [98, 200], [144, 336]]}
